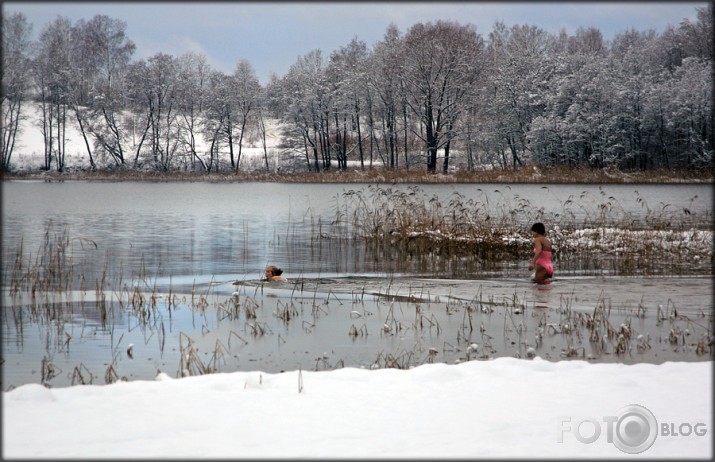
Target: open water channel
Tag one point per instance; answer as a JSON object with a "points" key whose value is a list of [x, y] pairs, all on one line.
{"points": [[166, 277]]}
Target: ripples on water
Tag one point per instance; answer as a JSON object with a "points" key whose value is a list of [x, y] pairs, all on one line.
{"points": [[324, 321], [206, 228], [346, 303]]}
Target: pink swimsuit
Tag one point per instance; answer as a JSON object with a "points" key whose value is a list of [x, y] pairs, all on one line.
{"points": [[545, 261]]}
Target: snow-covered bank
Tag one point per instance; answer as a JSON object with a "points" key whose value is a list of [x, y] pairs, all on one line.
{"points": [[28, 153], [289, 164], [478, 409]]}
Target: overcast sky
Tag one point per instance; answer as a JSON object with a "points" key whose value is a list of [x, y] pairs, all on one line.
{"points": [[271, 35]]}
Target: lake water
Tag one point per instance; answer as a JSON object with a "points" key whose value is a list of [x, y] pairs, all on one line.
{"points": [[172, 253], [237, 228]]}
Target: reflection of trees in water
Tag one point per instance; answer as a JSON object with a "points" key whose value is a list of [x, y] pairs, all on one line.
{"points": [[460, 260], [405, 229], [418, 257]]}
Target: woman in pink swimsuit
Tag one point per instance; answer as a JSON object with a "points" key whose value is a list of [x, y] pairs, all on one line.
{"points": [[542, 255]]}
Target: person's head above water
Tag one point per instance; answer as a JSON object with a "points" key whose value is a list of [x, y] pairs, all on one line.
{"points": [[273, 273], [539, 228]]}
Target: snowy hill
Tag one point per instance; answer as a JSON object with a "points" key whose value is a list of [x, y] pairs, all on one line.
{"points": [[28, 153]]}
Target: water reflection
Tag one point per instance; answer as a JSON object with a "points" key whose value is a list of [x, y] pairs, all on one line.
{"points": [[323, 321], [542, 296], [167, 257], [203, 228]]}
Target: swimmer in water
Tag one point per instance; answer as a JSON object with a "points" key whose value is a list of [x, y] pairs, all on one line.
{"points": [[542, 255], [273, 273]]}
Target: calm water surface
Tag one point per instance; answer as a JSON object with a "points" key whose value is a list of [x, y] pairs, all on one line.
{"points": [[342, 305], [205, 228]]}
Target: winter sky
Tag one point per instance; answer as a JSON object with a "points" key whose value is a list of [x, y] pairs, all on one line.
{"points": [[271, 35]]}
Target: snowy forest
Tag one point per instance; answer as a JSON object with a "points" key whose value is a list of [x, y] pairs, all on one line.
{"points": [[437, 96]]}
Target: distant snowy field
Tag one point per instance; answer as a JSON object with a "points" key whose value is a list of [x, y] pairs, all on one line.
{"points": [[501, 408], [29, 147], [28, 153]]}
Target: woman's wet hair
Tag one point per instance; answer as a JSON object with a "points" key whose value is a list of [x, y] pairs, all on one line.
{"points": [[539, 228], [275, 270]]}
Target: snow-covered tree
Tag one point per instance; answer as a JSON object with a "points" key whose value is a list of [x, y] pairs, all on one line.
{"points": [[244, 99], [521, 67], [152, 94], [384, 93], [16, 62], [443, 61], [101, 53], [697, 36], [53, 80], [642, 101], [191, 93], [307, 101], [346, 76], [690, 113], [217, 110]]}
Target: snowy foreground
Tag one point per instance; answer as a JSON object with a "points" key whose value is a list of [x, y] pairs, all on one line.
{"points": [[504, 407]]}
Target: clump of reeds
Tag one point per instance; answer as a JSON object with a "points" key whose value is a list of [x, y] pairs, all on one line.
{"points": [[286, 311], [355, 332], [399, 360], [407, 225], [190, 362], [81, 375], [422, 224], [51, 269], [111, 375], [48, 371]]}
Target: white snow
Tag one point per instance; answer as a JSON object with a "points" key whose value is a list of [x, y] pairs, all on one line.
{"points": [[499, 408], [614, 240], [28, 153]]}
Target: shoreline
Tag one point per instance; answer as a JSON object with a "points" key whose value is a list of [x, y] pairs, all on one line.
{"points": [[529, 174]]}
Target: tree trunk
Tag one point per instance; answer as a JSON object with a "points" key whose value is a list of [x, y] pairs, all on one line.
{"points": [[86, 142], [240, 146], [315, 148], [514, 155], [359, 134], [404, 118], [229, 135], [445, 166], [431, 140], [445, 163], [60, 158], [304, 134], [143, 138], [9, 131]]}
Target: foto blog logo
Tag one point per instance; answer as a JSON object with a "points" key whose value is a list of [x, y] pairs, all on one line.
{"points": [[633, 429]]}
